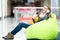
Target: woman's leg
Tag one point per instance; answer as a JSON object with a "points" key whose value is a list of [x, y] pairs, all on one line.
{"points": [[19, 27]]}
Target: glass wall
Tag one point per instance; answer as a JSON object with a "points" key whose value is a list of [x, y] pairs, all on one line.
{"points": [[59, 7], [55, 7]]}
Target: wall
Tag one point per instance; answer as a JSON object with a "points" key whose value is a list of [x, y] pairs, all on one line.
{"points": [[46, 2], [0, 9], [59, 7], [4, 7], [8, 7]]}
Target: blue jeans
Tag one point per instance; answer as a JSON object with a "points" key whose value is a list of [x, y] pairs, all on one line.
{"points": [[19, 27]]}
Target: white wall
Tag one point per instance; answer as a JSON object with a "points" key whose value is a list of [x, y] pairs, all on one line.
{"points": [[0, 9], [4, 7], [4, 29]]}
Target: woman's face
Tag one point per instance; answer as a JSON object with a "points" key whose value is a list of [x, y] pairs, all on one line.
{"points": [[45, 8]]}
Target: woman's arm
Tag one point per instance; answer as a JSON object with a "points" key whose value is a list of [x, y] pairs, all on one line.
{"points": [[34, 20]]}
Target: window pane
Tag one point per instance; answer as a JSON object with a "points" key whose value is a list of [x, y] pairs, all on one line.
{"points": [[54, 3], [59, 3], [56, 7], [55, 11]]}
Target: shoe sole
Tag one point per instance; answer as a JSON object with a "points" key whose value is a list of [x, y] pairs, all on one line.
{"points": [[7, 38]]}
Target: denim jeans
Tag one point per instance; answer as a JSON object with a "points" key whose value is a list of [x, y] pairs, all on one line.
{"points": [[19, 27]]}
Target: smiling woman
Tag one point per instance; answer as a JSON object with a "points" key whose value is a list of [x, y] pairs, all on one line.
{"points": [[45, 30]]}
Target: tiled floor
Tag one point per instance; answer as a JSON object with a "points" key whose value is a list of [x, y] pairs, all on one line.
{"points": [[9, 24]]}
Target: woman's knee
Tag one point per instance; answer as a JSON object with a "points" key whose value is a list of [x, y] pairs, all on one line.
{"points": [[21, 23]]}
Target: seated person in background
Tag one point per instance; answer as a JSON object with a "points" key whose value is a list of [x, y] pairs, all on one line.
{"points": [[44, 14]]}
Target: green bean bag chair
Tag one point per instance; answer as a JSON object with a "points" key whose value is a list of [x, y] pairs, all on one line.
{"points": [[43, 30]]}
